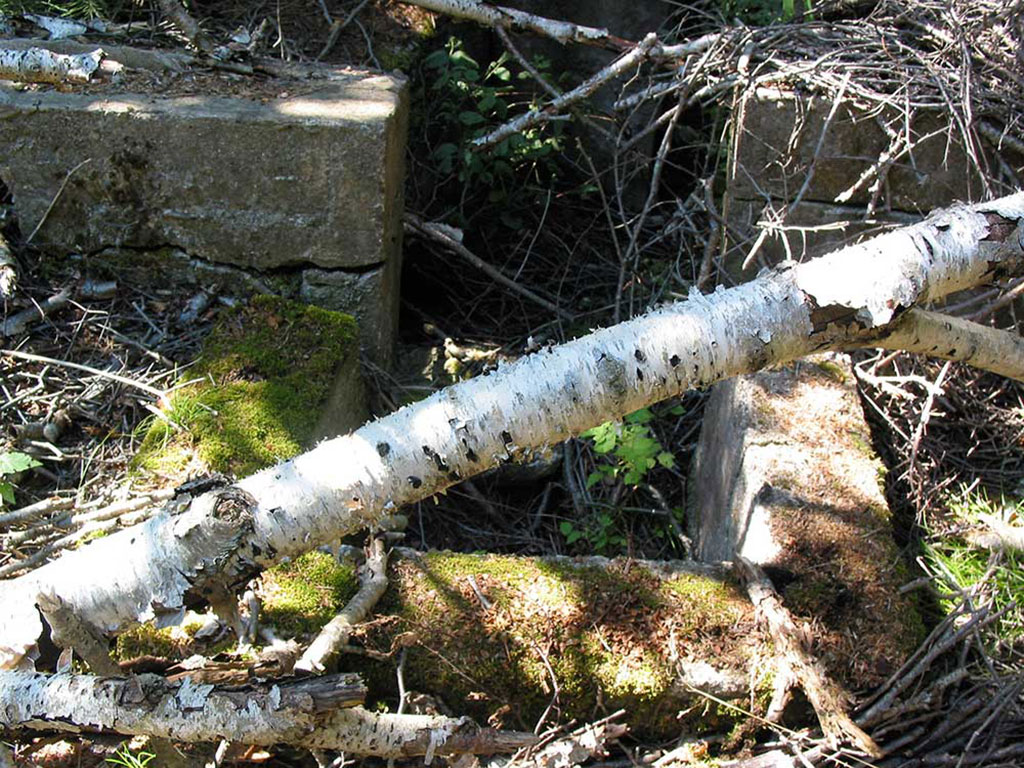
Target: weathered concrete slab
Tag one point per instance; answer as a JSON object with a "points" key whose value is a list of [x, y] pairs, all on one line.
{"points": [[784, 474], [281, 177], [786, 137], [312, 178]]}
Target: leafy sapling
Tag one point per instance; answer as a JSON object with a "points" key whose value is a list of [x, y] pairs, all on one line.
{"points": [[12, 465]]}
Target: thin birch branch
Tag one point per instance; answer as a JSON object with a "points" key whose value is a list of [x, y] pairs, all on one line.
{"points": [[537, 117], [954, 338], [500, 16], [316, 712], [336, 632]]}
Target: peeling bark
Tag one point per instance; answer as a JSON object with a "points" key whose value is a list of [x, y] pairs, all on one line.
{"points": [[351, 482], [38, 65], [317, 712]]}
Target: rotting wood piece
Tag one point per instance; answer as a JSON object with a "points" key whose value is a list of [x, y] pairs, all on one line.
{"points": [[800, 665]]}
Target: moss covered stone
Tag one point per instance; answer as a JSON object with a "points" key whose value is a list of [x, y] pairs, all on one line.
{"points": [[273, 375], [493, 636]]}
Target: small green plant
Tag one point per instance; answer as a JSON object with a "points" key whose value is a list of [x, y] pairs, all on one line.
{"points": [[464, 101], [126, 758], [631, 448], [968, 568], [602, 535], [12, 463]]}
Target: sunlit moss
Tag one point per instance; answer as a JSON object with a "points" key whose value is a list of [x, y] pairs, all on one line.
{"points": [[300, 596], [262, 379]]}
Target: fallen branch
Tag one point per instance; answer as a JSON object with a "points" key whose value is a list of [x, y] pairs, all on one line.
{"points": [[500, 16], [336, 633], [226, 536], [317, 712], [825, 695], [15, 325], [535, 117], [8, 271], [954, 338], [438, 234], [180, 18]]}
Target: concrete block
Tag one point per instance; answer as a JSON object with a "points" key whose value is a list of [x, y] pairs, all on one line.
{"points": [[785, 476], [780, 136], [311, 176], [300, 176], [783, 140]]}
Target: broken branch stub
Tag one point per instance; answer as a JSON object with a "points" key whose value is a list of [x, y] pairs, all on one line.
{"points": [[351, 482]]}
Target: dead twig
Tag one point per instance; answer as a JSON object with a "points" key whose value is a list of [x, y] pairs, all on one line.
{"points": [[440, 234]]}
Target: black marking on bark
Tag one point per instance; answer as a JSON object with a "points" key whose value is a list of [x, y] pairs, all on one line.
{"points": [[414, 481], [674, 360], [639, 375], [639, 355], [470, 453], [383, 449], [506, 438]]}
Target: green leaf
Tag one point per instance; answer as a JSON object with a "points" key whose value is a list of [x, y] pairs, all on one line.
{"points": [[15, 461], [677, 410], [487, 101], [642, 416], [593, 479], [471, 118], [565, 527], [666, 459], [6, 493], [604, 436]]}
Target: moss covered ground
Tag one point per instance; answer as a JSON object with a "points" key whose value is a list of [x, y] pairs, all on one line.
{"points": [[262, 382]]}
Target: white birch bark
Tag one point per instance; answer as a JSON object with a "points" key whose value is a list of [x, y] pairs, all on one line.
{"points": [[351, 482], [499, 16], [311, 712], [954, 338], [38, 65]]}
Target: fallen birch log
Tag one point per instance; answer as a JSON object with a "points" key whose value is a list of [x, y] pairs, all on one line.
{"points": [[316, 712], [219, 540]]}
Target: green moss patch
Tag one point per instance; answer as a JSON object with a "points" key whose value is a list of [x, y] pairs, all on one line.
{"points": [[301, 596], [493, 636], [266, 373]]}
